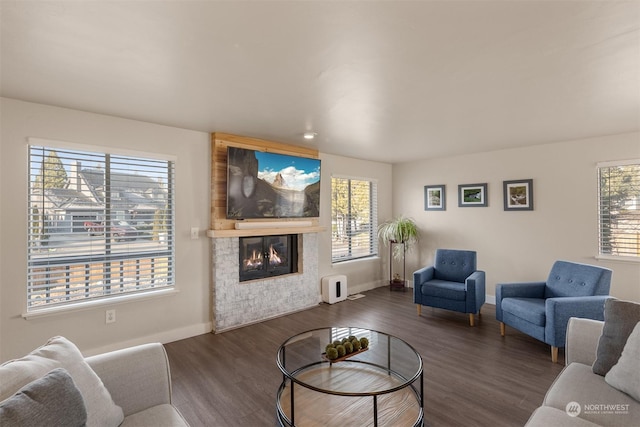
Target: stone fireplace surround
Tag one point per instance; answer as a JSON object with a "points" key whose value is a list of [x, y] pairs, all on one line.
{"points": [[237, 304]]}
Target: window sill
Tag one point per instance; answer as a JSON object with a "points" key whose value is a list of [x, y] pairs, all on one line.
{"points": [[88, 305], [630, 259], [355, 260]]}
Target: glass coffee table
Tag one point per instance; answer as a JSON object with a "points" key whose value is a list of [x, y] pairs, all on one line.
{"points": [[380, 385]]}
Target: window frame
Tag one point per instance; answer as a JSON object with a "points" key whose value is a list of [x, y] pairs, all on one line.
{"points": [[161, 258], [373, 223], [604, 255]]}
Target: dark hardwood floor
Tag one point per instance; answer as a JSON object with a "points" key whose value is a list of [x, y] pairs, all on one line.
{"points": [[472, 375]]}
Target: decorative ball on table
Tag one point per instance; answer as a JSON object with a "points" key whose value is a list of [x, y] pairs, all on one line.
{"points": [[332, 353], [341, 350], [348, 347]]}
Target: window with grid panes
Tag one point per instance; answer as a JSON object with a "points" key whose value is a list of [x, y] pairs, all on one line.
{"points": [[99, 225], [619, 208], [354, 218]]}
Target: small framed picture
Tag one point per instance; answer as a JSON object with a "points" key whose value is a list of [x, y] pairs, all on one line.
{"points": [[470, 195], [518, 195], [434, 198]]}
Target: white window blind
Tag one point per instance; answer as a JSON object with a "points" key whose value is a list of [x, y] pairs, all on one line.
{"points": [[354, 218], [619, 208], [100, 225]]}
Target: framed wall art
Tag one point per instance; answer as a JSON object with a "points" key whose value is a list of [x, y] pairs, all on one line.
{"points": [[518, 195], [434, 198], [471, 195]]}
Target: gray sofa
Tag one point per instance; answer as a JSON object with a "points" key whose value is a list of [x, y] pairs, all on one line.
{"points": [[578, 397], [139, 381], [55, 385]]}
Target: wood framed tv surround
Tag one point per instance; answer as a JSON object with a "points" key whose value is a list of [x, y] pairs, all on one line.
{"points": [[238, 303], [220, 226]]}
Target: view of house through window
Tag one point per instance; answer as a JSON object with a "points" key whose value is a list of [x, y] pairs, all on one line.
{"points": [[354, 218], [100, 225], [619, 208]]}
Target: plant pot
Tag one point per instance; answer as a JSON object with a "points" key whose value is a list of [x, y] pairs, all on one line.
{"points": [[396, 284]]}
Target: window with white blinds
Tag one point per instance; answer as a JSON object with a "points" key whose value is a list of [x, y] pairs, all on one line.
{"points": [[99, 225], [354, 218], [619, 208]]}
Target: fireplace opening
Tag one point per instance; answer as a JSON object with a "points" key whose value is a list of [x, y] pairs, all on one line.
{"points": [[268, 256]]}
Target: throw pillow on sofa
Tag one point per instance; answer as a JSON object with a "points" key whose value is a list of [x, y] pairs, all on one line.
{"points": [[52, 400], [59, 352], [625, 375], [620, 317]]}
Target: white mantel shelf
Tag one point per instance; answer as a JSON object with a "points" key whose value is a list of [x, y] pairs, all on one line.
{"points": [[264, 231]]}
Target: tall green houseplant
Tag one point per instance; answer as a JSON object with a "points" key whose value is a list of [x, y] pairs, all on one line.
{"points": [[401, 233]]}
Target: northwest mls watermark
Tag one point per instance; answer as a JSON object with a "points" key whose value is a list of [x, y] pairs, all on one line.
{"points": [[573, 409]]}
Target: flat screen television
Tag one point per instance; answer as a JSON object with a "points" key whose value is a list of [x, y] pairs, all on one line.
{"points": [[270, 185]]}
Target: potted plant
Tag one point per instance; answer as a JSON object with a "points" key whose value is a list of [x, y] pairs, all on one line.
{"points": [[404, 232]]}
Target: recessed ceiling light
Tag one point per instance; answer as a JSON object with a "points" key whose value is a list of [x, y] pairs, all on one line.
{"points": [[309, 135]]}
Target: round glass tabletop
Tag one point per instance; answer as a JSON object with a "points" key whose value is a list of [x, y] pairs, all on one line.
{"points": [[384, 366]]}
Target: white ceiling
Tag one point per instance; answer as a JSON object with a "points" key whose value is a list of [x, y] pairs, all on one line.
{"points": [[391, 81]]}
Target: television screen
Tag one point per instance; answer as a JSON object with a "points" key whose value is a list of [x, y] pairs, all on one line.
{"points": [[270, 185]]}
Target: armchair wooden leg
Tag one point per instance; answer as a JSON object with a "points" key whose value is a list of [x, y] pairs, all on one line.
{"points": [[554, 354], [502, 329], [419, 307], [472, 320]]}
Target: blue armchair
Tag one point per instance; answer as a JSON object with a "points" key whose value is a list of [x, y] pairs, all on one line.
{"points": [[542, 309], [452, 283]]}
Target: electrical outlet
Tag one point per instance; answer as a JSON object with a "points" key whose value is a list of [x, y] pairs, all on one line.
{"points": [[195, 231], [110, 316]]}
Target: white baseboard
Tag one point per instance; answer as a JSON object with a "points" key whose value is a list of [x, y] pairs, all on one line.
{"points": [[205, 328], [162, 337], [361, 287]]}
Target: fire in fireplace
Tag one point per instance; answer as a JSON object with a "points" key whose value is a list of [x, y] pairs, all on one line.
{"points": [[267, 256]]}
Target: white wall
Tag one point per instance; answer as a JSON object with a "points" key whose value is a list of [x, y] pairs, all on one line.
{"points": [[511, 245], [186, 313], [166, 319], [519, 246], [361, 274]]}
